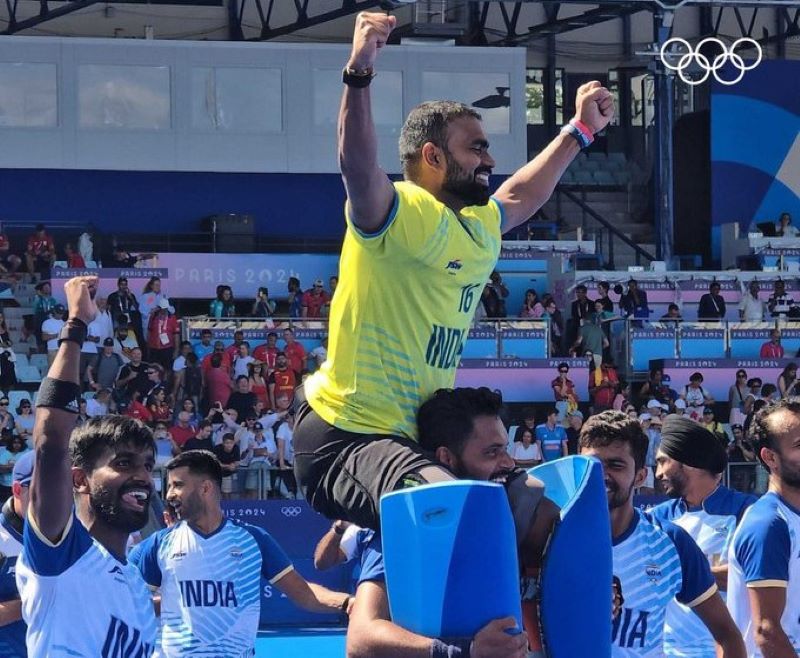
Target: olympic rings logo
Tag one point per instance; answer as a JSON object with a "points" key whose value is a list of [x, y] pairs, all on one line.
{"points": [[291, 512], [708, 67]]}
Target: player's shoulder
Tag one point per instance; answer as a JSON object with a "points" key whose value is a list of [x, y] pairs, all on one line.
{"points": [[667, 511], [728, 502], [408, 192], [244, 529], [665, 528], [766, 520]]}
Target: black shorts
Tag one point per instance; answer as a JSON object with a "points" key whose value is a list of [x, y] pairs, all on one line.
{"points": [[344, 474]]}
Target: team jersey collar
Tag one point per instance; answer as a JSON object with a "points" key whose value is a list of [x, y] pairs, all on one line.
{"points": [[709, 501], [631, 529], [784, 501], [197, 531]]}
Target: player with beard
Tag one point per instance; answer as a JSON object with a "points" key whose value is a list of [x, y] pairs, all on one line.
{"points": [[654, 561], [209, 569], [90, 489], [689, 464], [764, 575], [415, 257]]}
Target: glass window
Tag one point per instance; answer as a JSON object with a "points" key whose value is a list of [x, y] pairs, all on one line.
{"points": [[642, 100], [613, 87], [237, 100], [28, 95], [387, 100], [559, 97], [488, 93], [534, 97], [124, 97]]}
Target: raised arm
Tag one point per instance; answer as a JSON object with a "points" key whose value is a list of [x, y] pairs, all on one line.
{"points": [[51, 487], [530, 187], [369, 192]]}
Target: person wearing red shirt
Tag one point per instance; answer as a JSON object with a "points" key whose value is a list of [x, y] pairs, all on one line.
{"points": [[232, 351], [225, 362], [295, 353], [41, 251], [772, 349], [314, 299], [266, 352], [217, 382], [74, 259], [603, 384], [182, 431], [282, 381], [162, 333], [137, 410]]}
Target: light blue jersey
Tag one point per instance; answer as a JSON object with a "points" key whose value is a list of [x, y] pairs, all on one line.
{"points": [[711, 526], [766, 553], [12, 636], [210, 586], [551, 441], [80, 601], [654, 563]]}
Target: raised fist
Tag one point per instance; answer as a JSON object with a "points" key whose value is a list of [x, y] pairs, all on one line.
{"points": [[371, 33], [594, 106]]}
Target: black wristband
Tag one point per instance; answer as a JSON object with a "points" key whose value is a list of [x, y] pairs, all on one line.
{"points": [[356, 78], [451, 647], [74, 330], [58, 394], [345, 604]]}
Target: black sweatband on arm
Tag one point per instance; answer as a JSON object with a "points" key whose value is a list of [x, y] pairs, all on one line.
{"points": [[451, 647], [57, 394]]}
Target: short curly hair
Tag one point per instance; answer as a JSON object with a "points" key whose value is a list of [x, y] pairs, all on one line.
{"points": [[608, 427], [762, 431]]}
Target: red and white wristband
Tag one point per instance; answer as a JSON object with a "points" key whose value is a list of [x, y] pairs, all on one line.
{"points": [[580, 131]]}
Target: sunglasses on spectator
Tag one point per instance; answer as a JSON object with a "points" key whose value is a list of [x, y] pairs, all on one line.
{"points": [[3, 404]]}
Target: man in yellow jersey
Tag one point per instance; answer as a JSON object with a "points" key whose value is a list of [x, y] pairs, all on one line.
{"points": [[415, 258]]}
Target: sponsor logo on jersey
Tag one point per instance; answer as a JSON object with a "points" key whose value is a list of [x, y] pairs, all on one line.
{"points": [[653, 572], [123, 641], [178, 555], [453, 266]]}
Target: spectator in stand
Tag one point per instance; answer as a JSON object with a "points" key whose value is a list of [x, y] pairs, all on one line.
{"points": [[295, 297], [224, 305], [673, 314], [258, 382], [202, 438], [43, 303], [225, 362], [623, 396], [179, 363], [74, 259], [183, 430], [633, 303], [155, 380], [552, 437], [242, 399], [133, 375], [751, 308], [162, 335], [656, 411], [7, 422], [787, 381], [99, 404], [770, 393], [772, 349], [320, 352], [654, 442], [166, 448], [265, 454], [531, 306], [714, 426], [232, 351], [266, 352], [41, 251], [83, 416], [753, 394], [564, 392], [526, 452], [50, 330], [284, 437], [313, 300], [23, 424], [263, 306], [556, 319], [581, 309], [333, 281], [5, 335], [784, 228], [158, 407], [780, 302], [121, 257], [124, 307], [737, 394], [217, 382], [104, 369], [228, 456], [573, 431], [657, 388], [187, 377], [125, 341], [696, 397], [501, 292], [8, 367], [490, 302], [603, 386], [712, 306], [603, 288], [242, 361], [188, 405], [204, 347], [151, 296], [9, 262], [740, 451], [13, 448], [295, 353], [591, 337], [282, 380]]}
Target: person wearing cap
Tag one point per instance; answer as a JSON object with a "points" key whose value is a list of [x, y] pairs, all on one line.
{"points": [[680, 407], [764, 571], [265, 454], [655, 410], [13, 448], [653, 432], [162, 333], [50, 329], [12, 627], [103, 370], [654, 561], [690, 464], [7, 422], [314, 299]]}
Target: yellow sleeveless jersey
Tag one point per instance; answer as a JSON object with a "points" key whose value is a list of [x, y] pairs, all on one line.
{"points": [[402, 309]]}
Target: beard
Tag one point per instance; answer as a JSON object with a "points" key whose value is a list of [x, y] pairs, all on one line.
{"points": [[618, 497], [462, 185], [789, 475], [674, 486], [107, 506]]}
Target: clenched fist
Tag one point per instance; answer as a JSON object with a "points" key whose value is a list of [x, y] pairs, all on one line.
{"points": [[80, 293], [594, 106], [371, 33]]}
